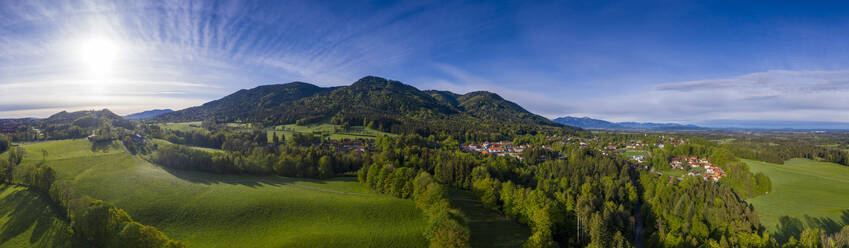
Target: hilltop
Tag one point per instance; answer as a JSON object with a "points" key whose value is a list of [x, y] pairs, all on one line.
{"points": [[379, 103], [148, 114]]}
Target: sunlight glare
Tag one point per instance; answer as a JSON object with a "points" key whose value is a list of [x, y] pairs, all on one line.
{"points": [[98, 55]]}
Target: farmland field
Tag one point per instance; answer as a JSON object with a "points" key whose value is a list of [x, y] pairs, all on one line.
{"points": [[814, 193], [209, 210]]}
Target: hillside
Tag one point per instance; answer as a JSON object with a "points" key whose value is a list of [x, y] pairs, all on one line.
{"points": [[211, 210], [148, 114], [87, 118], [64, 125], [590, 123], [382, 104]]}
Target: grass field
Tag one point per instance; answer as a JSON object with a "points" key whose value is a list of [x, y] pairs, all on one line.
{"points": [[208, 210], [183, 126], [27, 221], [814, 193], [206, 149], [632, 152], [488, 228]]}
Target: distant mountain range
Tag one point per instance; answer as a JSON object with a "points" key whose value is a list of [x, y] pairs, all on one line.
{"points": [[383, 104], [590, 123], [775, 125], [148, 114]]}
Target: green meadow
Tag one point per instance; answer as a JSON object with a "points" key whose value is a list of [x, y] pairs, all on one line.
{"points": [[810, 193], [209, 210], [182, 126], [633, 152], [27, 220], [488, 228]]}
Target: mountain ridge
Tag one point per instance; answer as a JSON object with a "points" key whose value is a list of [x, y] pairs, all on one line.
{"points": [[384, 104], [147, 114], [590, 123]]}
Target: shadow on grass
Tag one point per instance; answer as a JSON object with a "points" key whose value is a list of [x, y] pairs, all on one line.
{"points": [[253, 181], [488, 227], [791, 226], [25, 209]]}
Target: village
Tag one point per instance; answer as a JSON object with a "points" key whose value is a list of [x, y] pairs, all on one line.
{"points": [[635, 150], [698, 167], [501, 148]]}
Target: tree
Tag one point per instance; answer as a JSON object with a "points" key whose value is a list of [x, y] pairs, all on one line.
{"points": [[810, 238], [15, 157], [450, 234], [5, 171], [99, 222], [136, 235], [42, 178], [325, 167], [5, 143]]}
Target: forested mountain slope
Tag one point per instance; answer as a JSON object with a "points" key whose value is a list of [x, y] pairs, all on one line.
{"points": [[383, 104]]}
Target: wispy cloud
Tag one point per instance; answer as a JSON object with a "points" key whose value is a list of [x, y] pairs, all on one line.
{"points": [[221, 46], [770, 95]]}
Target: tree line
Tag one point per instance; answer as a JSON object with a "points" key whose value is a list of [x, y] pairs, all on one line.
{"points": [[446, 225], [288, 161], [778, 150]]}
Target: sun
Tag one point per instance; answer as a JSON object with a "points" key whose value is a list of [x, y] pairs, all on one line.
{"points": [[97, 55]]}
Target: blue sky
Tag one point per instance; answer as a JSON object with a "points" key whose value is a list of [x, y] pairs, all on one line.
{"points": [[672, 61]]}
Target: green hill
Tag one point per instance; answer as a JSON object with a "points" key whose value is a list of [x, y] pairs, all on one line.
{"points": [[207, 210], [246, 105], [386, 105]]}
